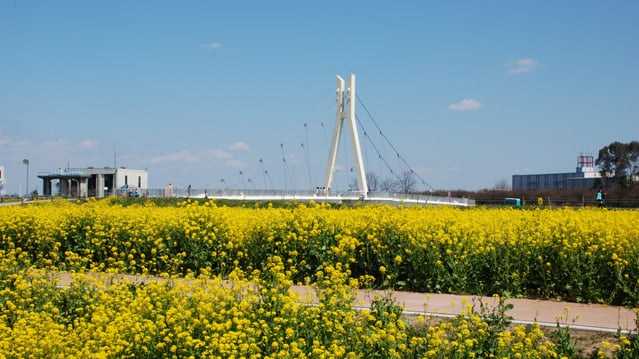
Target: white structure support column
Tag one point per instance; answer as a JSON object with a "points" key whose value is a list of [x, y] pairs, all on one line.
{"points": [[345, 111], [1, 180]]}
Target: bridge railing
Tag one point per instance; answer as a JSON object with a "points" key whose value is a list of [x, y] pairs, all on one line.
{"points": [[306, 195]]}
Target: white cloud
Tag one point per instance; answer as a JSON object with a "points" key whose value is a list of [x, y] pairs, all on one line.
{"points": [[57, 143], [217, 154], [181, 156], [522, 66], [185, 156], [88, 143], [15, 145], [424, 170], [293, 158], [235, 163], [48, 150], [212, 45], [239, 146], [466, 105]]}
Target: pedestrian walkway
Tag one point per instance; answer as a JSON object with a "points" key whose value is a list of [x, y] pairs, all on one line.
{"points": [[592, 317], [595, 317]]}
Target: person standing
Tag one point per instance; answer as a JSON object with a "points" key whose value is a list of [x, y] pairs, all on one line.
{"points": [[601, 197]]}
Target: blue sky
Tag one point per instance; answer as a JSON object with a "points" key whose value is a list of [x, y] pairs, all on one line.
{"points": [[467, 92]]}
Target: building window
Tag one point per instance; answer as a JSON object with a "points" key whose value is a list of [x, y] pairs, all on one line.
{"points": [[139, 181], [126, 180]]}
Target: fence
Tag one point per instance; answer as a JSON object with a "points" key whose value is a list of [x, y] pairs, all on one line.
{"points": [[318, 195]]}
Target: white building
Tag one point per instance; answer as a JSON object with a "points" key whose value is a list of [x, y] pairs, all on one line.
{"points": [[585, 177], [94, 182]]}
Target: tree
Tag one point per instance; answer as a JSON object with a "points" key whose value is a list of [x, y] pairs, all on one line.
{"points": [[388, 185], [406, 182], [502, 185], [373, 181], [619, 163]]}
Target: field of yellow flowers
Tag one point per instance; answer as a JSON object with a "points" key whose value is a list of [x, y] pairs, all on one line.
{"points": [[589, 255]]}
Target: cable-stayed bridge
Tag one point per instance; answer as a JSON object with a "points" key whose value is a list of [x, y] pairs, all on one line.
{"points": [[361, 191]]}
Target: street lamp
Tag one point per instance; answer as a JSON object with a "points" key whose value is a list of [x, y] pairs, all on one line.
{"points": [[26, 162], [263, 173]]}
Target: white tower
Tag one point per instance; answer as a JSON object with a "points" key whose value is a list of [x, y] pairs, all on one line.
{"points": [[1, 180], [345, 111]]}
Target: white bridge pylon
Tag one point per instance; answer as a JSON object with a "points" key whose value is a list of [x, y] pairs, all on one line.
{"points": [[345, 112]]}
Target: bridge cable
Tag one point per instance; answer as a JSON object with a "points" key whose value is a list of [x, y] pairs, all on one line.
{"points": [[391, 144], [307, 157], [379, 154], [287, 174]]}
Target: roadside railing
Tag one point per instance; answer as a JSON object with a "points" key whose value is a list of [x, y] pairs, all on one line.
{"points": [[306, 195]]}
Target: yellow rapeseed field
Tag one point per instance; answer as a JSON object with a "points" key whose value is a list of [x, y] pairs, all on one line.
{"points": [[589, 255]]}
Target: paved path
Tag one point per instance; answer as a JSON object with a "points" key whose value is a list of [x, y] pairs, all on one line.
{"points": [[548, 313], [593, 317]]}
